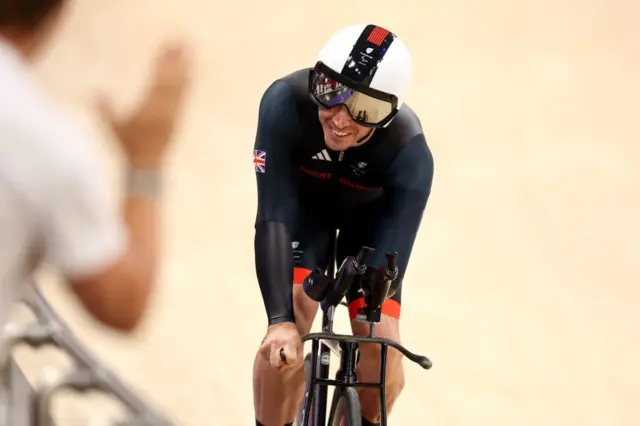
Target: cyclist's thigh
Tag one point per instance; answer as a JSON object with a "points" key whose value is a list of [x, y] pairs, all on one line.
{"points": [[356, 230], [311, 248]]}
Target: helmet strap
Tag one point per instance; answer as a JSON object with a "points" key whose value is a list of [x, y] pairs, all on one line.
{"points": [[365, 137]]}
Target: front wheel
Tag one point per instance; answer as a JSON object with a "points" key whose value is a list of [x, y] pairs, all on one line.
{"points": [[347, 410]]}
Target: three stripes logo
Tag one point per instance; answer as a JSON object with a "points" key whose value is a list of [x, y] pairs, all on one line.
{"points": [[322, 155]]}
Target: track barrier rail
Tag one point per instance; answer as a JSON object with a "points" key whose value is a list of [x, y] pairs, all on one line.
{"points": [[27, 405]]}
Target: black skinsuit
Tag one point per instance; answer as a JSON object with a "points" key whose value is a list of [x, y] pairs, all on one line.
{"points": [[375, 193]]}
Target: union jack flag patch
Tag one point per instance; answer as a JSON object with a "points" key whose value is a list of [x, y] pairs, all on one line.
{"points": [[259, 160]]}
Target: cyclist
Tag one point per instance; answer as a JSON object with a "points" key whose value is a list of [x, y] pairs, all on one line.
{"points": [[336, 148]]}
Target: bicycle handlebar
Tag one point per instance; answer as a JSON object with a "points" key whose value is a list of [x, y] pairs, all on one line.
{"points": [[330, 291], [421, 360]]}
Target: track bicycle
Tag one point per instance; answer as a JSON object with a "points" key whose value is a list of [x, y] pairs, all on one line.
{"points": [[329, 289]]}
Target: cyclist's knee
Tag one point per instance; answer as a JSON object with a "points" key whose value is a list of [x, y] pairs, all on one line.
{"points": [[387, 328], [396, 380], [370, 398], [369, 371], [371, 354], [369, 367]]}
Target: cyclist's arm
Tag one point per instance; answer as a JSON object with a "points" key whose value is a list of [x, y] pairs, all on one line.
{"points": [[407, 189], [277, 202], [109, 259]]}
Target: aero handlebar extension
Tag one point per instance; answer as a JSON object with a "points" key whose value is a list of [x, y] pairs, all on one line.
{"points": [[350, 268]]}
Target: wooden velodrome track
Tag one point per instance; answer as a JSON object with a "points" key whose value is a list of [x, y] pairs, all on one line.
{"points": [[523, 286]]}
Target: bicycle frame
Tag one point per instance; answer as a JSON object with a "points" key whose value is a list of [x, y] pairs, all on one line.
{"points": [[346, 377], [346, 347], [320, 405]]}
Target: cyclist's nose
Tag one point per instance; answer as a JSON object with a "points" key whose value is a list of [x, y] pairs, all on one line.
{"points": [[342, 119]]}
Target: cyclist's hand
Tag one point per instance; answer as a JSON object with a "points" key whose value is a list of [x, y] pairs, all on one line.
{"points": [[285, 337], [146, 134]]}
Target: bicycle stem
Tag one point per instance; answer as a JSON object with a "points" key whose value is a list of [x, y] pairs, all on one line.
{"points": [[330, 311]]}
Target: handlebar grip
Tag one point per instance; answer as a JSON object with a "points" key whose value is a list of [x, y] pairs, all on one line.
{"points": [[424, 362], [392, 259], [364, 254]]}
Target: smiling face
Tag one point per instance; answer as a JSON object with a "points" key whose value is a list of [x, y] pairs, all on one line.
{"points": [[340, 131]]}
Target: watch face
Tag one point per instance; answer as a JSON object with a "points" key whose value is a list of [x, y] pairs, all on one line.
{"points": [[143, 183]]}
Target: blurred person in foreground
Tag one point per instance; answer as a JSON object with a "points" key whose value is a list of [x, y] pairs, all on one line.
{"points": [[54, 191]]}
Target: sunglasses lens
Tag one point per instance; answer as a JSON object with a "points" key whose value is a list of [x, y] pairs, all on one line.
{"points": [[364, 109]]}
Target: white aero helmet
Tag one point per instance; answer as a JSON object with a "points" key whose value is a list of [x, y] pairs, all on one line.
{"points": [[365, 67]]}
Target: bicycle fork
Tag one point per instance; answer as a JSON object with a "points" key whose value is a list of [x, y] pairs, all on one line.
{"points": [[320, 398]]}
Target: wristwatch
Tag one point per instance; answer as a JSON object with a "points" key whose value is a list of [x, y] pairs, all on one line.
{"points": [[143, 183]]}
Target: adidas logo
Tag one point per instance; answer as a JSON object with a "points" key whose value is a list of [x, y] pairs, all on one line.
{"points": [[322, 155]]}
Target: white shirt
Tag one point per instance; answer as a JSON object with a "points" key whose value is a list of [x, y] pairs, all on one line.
{"points": [[54, 191]]}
